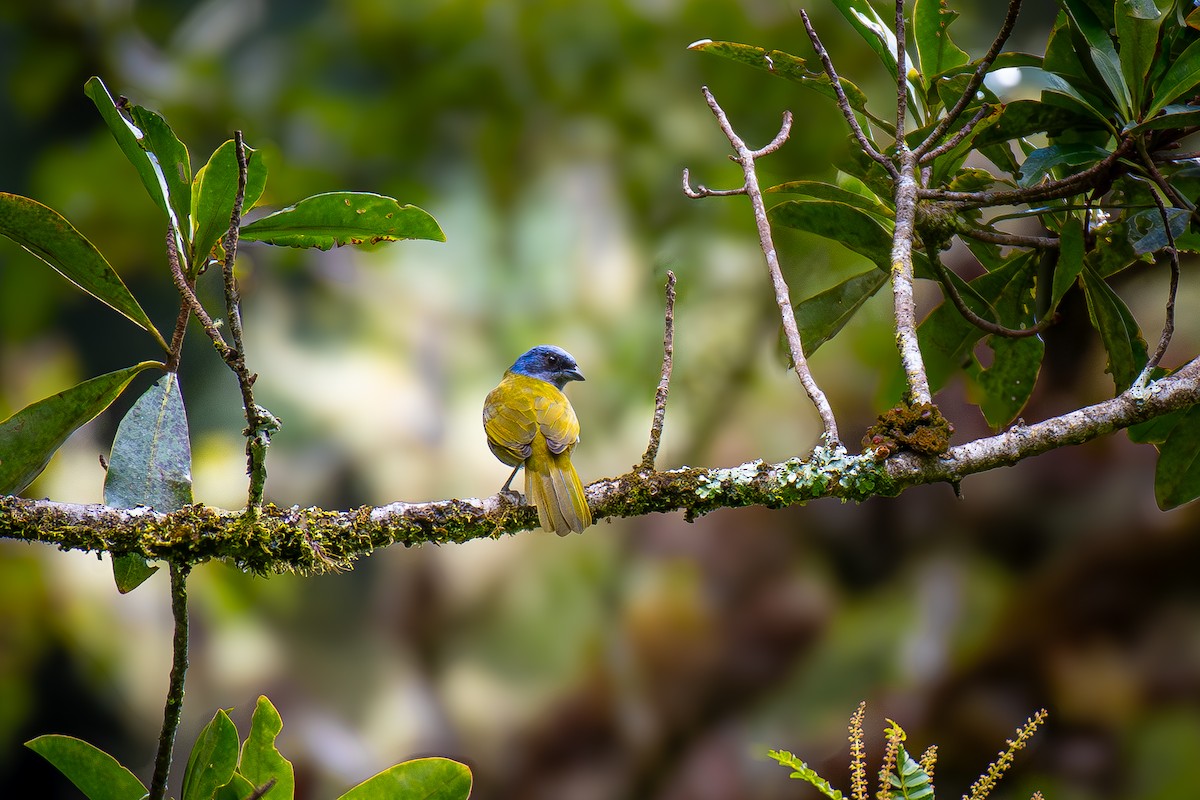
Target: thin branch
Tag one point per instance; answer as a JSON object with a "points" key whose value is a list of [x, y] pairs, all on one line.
{"points": [[179, 665], [260, 424], [843, 102], [1164, 339], [187, 292], [703, 191], [311, 540], [901, 76], [958, 137], [1090, 178], [1010, 19], [903, 302], [181, 320], [745, 157], [1012, 239], [664, 381], [976, 320]]}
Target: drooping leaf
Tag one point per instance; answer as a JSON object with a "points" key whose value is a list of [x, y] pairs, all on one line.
{"points": [[1137, 24], [94, 772], [821, 316], [947, 337], [1070, 261], [171, 156], [845, 224], [151, 461], [931, 22], [261, 761], [340, 218], [837, 194], [1008, 383], [1177, 474], [1102, 51], [1173, 116], [150, 465], [47, 234], [31, 436], [1117, 328], [425, 778], [793, 68], [1182, 76], [212, 760], [214, 190], [129, 138]]}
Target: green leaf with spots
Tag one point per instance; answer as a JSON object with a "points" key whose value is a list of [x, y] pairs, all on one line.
{"points": [[938, 53], [31, 436], [340, 218]]}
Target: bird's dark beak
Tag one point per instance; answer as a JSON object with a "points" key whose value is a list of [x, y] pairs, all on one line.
{"points": [[573, 375]]}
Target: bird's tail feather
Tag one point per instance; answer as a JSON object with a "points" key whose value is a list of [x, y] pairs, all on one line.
{"points": [[552, 485]]}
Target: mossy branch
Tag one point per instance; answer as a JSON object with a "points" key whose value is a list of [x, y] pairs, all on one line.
{"points": [[312, 540]]}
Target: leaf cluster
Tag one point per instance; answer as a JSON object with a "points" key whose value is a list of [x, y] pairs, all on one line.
{"points": [[1097, 164]]}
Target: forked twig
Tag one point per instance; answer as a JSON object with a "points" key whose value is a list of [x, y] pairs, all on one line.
{"points": [[745, 157]]}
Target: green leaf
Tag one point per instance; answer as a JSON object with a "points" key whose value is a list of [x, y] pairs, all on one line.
{"points": [[1137, 24], [424, 778], [1041, 161], [151, 461], [150, 465], [1008, 383], [1070, 261], [828, 191], [1118, 330], [801, 771], [1103, 53], [877, 33], [47, 234], [839, 222], [29, 437], [1182, 76], [261, 761], [239, 788], [821, 316], [791, 67], [213, 759], [1147, 233], [339, 218], [1173, 116], [1155, 431], [213, 191], [1177, 474], [94, 772], [170, 156], [931, 23], [947, 337], [129, 139], [1021, 118]]}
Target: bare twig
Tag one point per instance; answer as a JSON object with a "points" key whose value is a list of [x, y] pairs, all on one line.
{"points": [[985, 63], [955, 140], [979, 322], [179, 665], [664, 381], [903, 302], [703, 191], [1012, 239], [1164, 339], [901, 76], [187, 292], [745, 157], [260, 424], [181, 320], [844, 103]]}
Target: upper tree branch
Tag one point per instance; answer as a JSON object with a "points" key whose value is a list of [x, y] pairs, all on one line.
{"points": [[745, 157], [313, 540]]}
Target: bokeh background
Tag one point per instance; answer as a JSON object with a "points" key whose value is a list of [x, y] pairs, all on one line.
{"points": [[648, 658]]}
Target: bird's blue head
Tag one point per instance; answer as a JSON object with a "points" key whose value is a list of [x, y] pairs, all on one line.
{"points": [[548, 363]]}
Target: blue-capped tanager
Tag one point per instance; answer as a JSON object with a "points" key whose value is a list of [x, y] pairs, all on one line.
{"points": [[530, 423]]}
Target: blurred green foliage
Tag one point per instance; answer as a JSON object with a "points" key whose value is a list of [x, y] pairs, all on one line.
{"points": [[646, 659]]}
